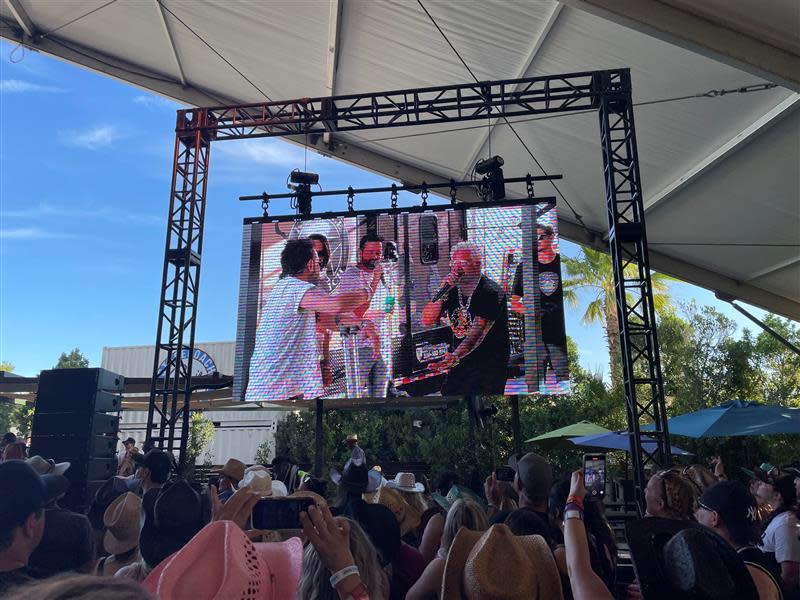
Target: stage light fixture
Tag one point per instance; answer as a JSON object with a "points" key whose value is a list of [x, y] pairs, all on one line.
{"points": [[302, 189], [492, 186], [486, 165], [304, 178]]}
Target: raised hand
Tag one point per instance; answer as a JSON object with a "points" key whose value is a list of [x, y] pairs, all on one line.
{"points": [[329, 536], [238, 508]]}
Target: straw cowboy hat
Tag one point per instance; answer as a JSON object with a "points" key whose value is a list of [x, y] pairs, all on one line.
{"points": [[47, 467], [258, 479], [121, 521], [406, 482], [353, 437], [408, 517], [233, 469], [221, 562], [497, 564]]}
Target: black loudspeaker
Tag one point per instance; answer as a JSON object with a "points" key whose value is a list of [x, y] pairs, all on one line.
{"points": [[69, 425], [78, 391]]}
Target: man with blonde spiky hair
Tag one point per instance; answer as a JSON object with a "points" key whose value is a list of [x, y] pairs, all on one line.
{"points": [[476, 309]]}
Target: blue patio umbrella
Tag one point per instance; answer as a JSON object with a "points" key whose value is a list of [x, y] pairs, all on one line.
{"points": [[736, 418], [620, 440]]}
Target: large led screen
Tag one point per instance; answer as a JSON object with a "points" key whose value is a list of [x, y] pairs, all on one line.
{"points": [[451, 301]]}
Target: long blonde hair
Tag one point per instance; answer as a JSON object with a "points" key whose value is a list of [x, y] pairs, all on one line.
{"points": [[315, 577], [463, 513]]}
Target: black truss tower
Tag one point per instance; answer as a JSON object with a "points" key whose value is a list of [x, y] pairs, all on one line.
{"points": [[608, 92], [627, 239], [168, 412]]}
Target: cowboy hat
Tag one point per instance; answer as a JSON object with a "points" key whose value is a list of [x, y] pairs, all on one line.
{"points": [[233, 469], [408, 517], [354, 477], [459, 492], [47, 467], [701, 563], [406, 482], [221, 562], [121, 521], [260, 481], [375, 482], [499, 565], [172, 516], [353, 437]]}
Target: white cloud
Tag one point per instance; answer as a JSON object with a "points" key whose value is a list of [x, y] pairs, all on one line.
{"points": [[153, 101], [17, 86], [31, 233], [90, 139], [264, 152]]}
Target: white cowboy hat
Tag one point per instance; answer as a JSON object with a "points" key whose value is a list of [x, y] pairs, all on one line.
{"points": [[259, 480], [406, 482], [47, 467]]}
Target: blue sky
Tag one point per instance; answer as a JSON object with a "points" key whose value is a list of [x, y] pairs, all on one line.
{"points": [[85, 166]]}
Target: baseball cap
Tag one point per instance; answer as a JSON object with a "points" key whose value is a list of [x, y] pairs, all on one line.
{"points": [[784, 484], [535, 474], [736, 506], [25, 491]]}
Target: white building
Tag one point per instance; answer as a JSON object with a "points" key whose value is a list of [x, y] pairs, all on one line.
{"points": [[238, 433]]}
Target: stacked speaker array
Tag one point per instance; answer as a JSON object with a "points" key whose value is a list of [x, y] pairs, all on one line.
{"points": [[70, 424]]}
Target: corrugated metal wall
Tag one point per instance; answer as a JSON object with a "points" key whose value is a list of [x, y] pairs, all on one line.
{"points": [[238, 433], [137, 361]]}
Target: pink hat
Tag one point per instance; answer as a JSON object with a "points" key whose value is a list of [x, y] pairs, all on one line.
{"points": [[221, 562]]}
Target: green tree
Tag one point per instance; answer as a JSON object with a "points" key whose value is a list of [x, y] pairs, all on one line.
{"points": [[7, 409], [201, 434], [73, 360], [444, 438], [15, 415], [263, 453], [778, 367], [592, 272]]}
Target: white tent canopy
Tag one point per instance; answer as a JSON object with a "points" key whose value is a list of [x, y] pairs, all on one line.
{"points": [[721, 175]]}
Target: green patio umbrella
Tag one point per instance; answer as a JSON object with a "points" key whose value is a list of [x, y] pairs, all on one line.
{"points": [[561, 436]]}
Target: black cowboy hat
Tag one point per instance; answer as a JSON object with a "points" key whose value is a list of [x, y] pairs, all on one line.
{"points": [[682, 559], [172, 516]]}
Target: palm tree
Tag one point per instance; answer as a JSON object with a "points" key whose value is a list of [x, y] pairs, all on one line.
{"points": [[591, 271]]}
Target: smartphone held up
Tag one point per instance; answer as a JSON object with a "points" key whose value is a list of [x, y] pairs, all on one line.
{"points": [[280, 513], [594, 474]]}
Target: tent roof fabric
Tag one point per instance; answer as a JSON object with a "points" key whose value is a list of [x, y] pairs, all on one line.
{"points": [[720, 175]]}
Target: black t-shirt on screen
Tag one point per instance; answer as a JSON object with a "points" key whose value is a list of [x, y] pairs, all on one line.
{"points": [[482, 371]]}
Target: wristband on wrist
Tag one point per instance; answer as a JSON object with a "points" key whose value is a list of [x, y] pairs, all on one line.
{"points": [[573, 506], [339, 576], [575, 500], [572, 513]]}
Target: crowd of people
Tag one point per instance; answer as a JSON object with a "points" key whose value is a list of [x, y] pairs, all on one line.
{"points": [[148, 534]]}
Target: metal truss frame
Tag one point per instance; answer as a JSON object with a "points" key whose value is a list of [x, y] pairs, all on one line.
{"points": [[608, 92], [170, 391], [627, 239]]}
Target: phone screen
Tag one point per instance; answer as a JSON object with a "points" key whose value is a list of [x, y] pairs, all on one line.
{"points": [[280, 513], [594, 474], [504, 474]]}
